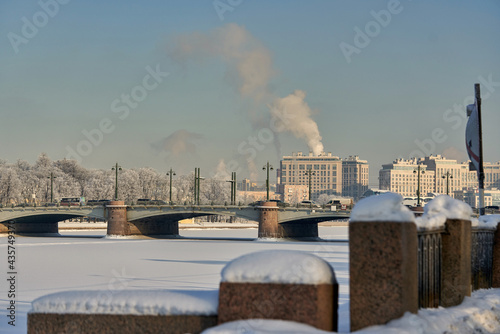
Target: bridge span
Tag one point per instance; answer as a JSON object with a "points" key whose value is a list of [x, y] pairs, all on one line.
{"points": [[274, 222]]}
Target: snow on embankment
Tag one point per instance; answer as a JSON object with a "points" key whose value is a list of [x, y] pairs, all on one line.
{"points": [[278, 266], [137, 302], [477, 314], [385, 207]]}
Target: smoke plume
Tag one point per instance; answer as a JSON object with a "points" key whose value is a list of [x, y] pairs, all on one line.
{"points": [[295, 116], [249, 66], [248, 62]]}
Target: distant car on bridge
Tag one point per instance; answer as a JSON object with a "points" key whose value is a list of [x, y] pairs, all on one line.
{"points": [[72, 201], [309, 204]]}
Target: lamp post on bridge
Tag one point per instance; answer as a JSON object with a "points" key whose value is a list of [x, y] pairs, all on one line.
{"points": [[418, 172], [116, 168], [170, 173], [233, 188], [268, 167], [51, 177], [197, 179], [310, 173], [448, 176]]}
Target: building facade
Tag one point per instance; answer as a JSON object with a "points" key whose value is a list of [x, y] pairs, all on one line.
{"points": [[324, 171], [439, 175], [406, 176], [354, 177]]}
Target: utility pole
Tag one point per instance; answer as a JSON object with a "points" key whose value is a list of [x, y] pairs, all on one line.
{"points": [[268, 167], [418, 183], [197, 179], [51, 177], [448, 177], [310, 173], [170, 173], [233, 188], [116, 168]]}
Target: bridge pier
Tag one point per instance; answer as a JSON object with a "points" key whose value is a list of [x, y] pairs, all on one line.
{"points": [[268, 221], [269, 226], [117, 218], [119, 225]]}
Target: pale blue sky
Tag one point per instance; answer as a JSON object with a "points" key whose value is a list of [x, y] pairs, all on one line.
{"points": [[395, 92]]}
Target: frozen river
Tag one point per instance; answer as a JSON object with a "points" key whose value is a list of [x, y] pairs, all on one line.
{"points": [[84, 260]]}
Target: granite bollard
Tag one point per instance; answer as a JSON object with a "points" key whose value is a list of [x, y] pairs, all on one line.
{"points": [[382, 261], [456, 263], [284, 285]]}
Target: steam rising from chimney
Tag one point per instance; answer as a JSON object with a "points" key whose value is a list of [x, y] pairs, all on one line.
{"points": [[296, 118], [249, 66]]}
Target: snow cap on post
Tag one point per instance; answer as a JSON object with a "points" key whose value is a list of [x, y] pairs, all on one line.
{"points": [[278, 266], [441, 208], [487, 222], [387, 207]]}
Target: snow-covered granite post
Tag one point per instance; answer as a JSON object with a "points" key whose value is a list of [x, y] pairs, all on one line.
{"points": [[456, 246], [382, 261], [124, 311], [284, 285]]}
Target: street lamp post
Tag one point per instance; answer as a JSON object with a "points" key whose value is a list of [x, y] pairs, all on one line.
{"points": [[448, 177], [116, 168], [310, 173], [197, 179], [233, 188], [51, 177], [170, 173], [268, 167], [418, 183]]}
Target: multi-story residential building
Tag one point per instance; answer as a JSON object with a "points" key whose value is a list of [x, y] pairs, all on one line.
{"points": [[402, 176], [354, 177], [324, 170], [448, 173], [441, 175], [491, 175]]}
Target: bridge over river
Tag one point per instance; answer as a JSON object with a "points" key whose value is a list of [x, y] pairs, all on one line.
{"points": [[274, 222]]}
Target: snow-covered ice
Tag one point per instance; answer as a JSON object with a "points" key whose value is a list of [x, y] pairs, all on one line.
{"points": [[387, 207], [278, 266], [84, 260]]}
